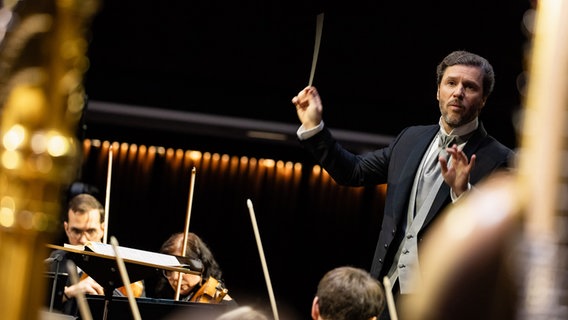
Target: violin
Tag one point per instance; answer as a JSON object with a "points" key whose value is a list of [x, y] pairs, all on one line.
{"points": [[212, 291], [137, 287]]}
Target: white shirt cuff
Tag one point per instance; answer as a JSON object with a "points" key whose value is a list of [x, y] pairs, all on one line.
{"points": [[304, 134], [455, 197]]}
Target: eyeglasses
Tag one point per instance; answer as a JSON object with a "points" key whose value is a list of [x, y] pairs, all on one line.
{"points": [[168, 273]]}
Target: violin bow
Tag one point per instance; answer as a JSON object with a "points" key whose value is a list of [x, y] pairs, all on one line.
{"points": [[125, 280], [107, 202], [186, 229], [81, 300], [262, 259], [107, 196], [390, 299], [114, 243]]}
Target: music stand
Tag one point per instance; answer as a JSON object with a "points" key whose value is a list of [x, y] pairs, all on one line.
{"points": [[156, 309], [103, 268], [56, 284]]}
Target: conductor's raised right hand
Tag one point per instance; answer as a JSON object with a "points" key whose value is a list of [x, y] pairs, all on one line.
{"points": [[309, 107]]}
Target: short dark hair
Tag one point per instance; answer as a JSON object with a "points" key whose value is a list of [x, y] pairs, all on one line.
{"points": [[83, 203], [466, 58], [346, 293]]}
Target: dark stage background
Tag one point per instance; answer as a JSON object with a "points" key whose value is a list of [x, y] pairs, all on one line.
{"points": [[241, 63]]}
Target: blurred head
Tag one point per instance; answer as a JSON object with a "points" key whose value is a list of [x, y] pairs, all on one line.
{"points": [[85, 220], [243, 313], [195, 249], [348, 293]]}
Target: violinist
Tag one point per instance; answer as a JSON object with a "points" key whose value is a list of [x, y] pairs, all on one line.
{"points": [[83, 222], [207, 287]]}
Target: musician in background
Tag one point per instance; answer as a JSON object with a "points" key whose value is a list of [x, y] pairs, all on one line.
{"points": [[191, 284], [83, 222], [345, 293]]}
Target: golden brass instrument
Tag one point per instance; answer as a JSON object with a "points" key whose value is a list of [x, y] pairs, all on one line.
{"points": [[42, 63]]}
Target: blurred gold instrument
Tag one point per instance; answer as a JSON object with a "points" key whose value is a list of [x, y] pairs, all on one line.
{"points": [[42, 63]]}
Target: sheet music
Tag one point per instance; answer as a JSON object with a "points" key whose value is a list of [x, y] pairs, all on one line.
{"points": [[129, 254]]}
